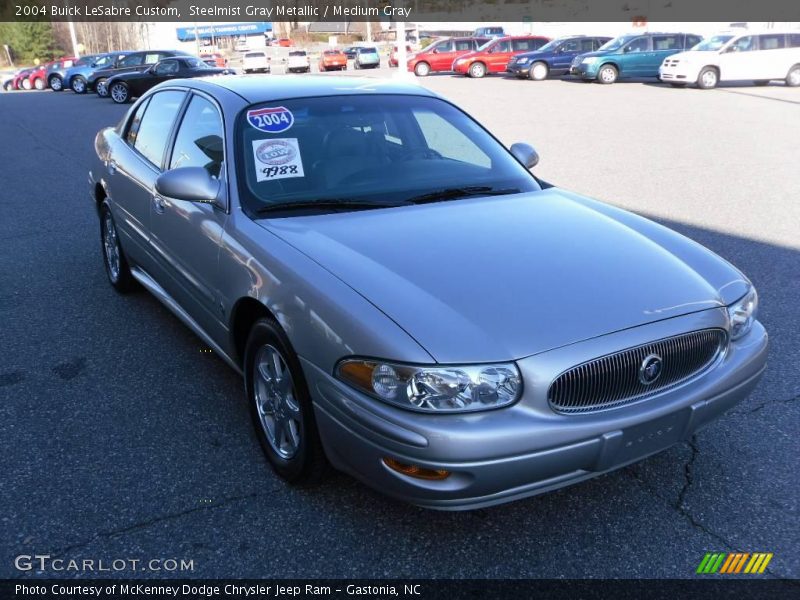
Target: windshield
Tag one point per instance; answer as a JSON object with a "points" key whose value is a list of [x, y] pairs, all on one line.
{"points": [[297, 53], [196, 63], [388, 149], [616, 43], [713, 43]]}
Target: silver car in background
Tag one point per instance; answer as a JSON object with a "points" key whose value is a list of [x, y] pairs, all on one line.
{"points": [[405, 300]]}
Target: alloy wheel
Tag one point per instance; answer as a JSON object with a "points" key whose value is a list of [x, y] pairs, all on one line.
{"points": [[793, 79], [539, 71], [422, 69], [39, 84], [111, 247], [119, 93], [102, 88], [608, 75], [78, 85], [55, 84], [477, 70], [278, 409]]}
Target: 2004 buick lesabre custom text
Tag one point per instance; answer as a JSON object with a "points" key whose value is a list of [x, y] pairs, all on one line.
{"points": [[405, 299]]}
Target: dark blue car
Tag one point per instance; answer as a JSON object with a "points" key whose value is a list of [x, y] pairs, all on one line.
{"points": [[553, 58]]}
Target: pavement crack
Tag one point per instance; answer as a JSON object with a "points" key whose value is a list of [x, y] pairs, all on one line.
{"points": [[688, 473], [763, 405], [112, 533]]}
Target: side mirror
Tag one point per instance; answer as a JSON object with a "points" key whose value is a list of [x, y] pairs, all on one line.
{"points": [[525, 154], [194, 184]]}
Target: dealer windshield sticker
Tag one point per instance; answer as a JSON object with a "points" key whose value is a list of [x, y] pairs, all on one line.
{"points": [[277, 159], [271, 120]]}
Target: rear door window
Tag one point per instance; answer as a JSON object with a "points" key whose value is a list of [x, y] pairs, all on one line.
{"points": [[156, 125], [132, 60], [667, 42], [794, 40], [462, 45], [135, 122], [771, 42]]}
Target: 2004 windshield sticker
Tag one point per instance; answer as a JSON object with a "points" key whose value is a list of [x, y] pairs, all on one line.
{"points": [[277, 159], [271, 120]]}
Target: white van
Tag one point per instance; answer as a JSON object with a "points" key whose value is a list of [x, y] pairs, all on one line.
{"points": [[749, 56]]}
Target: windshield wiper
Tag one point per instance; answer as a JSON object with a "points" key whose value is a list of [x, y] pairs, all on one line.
{"points": [[461, 192], [331, 203]]}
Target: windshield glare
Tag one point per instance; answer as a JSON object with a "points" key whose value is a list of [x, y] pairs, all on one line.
{"points": [[617, 43], [551, 45], [383, 149], [713, 43]]}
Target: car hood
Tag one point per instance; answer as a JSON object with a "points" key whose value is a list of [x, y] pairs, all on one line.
{"points": [[501, 278]]}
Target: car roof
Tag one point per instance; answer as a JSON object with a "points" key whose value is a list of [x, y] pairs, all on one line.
{"points": [[257, 89]]}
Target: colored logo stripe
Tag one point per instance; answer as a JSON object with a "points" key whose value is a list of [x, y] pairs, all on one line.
{"points": [[734, 562]]}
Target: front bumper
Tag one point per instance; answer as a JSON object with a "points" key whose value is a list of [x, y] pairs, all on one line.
{"points": [[518, 70], [585, 71], [674, 75], [461, 68], [527, 449]]}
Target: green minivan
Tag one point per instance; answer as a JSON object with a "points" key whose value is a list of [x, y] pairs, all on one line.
{"points": [[631, 55]]}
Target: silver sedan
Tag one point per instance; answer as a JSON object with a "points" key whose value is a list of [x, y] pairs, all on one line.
{"points": [[405, 300]]}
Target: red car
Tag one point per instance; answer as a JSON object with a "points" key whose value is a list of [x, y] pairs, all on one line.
{"points": [[214, 60], [494, 56], [283, 43], [439, 56], [332, 60], [21, 79], [393, 56]]}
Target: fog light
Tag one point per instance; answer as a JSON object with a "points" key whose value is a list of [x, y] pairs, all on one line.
{"points": [[416, 470]]}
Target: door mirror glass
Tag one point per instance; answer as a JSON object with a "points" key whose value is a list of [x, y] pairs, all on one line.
{"points": [[525, 154], [194, 184]]}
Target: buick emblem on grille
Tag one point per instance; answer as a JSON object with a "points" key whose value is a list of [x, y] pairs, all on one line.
{"points": [[651, 368]]}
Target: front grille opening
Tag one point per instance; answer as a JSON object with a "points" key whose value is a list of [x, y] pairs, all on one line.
{"points": [[614, 380]]}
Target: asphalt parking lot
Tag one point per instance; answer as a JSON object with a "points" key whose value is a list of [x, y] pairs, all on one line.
{"points": [[120, 438]]}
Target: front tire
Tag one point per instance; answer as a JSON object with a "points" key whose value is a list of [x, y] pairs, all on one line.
{"points": [[280, 405], [119, 92], [607, 74], [793, 76], [708, 78], [78, 85], [117, 269], [477, 70], [26, 84], [422, 69], [39, 84], [56, 84], [538, 71], [101, 87]]}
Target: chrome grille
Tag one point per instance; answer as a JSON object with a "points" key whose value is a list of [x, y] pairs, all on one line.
{"points": [[614, 380]]}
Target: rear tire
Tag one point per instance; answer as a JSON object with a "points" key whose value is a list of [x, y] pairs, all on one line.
{"points": [[538, 71], [39, 84], [26, 84], [78, 85], [607, 74], [708, 78], [793, 76], [281, 406], [117, 269]]}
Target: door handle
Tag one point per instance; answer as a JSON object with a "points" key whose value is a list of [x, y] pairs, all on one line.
{"points": [[159, 204], [112, 167]]}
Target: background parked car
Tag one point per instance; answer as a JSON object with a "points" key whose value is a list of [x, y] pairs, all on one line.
{"points": [[493, 56], [284, 43], [554, 58], [634, 55], [440, 55], [298, 62], [125, 86], [255, 62], [367, 58], [489, 32], [736, 57], [20, 79], [350, 52], [133, 61], [332, 60], [393, 62], [58, 69], [77, 75], [214, 60], [6, 79]]}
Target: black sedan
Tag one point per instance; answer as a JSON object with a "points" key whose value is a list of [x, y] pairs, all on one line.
{"points": [[125, 86]]}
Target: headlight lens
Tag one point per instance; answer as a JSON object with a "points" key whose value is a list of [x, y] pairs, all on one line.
{"points": [[742, 314], [522, 61], [434, 389], [590, 60]]}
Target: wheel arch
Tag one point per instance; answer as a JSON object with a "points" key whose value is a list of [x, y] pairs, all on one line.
{"points": [[244, 314]]}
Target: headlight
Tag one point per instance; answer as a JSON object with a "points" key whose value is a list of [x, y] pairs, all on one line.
{"points": [[589, 60], [522, 61], [434, 389], [461, 61], [742, 314]]}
